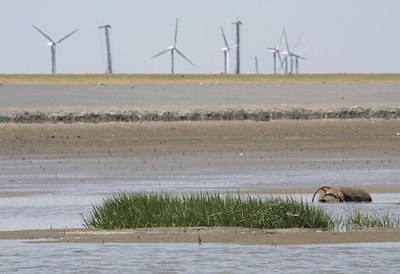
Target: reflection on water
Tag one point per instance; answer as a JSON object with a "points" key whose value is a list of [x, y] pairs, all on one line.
{"points": [[43, 211], [189, 258]]}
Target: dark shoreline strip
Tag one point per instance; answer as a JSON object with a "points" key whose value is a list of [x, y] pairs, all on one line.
{"points": [[200, 115]]}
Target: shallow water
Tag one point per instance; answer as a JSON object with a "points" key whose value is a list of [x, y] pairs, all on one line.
{"points": [[55, 197], [64, 211], [78, 98], [19, 257]]}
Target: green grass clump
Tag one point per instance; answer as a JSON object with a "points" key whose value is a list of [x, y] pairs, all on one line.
{"points": [[143, 210], [363, 220]]}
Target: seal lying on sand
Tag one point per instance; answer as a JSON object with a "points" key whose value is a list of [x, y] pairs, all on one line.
{"points": [[332, 194]]}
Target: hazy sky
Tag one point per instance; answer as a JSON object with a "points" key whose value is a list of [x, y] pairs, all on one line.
{"points": [[348, 36]]}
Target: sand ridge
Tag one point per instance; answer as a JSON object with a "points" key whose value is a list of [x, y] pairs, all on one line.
{"points": [[203, 235]]}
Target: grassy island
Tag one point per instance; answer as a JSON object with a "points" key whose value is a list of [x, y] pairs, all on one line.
{"points": [[148, 210], [141, 210]]}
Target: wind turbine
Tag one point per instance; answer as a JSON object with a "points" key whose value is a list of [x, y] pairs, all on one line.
{"points": [[293, 57], [172, 49], [296, 57], [226, 50], [285, 53], [53, 44], [276, 51]]}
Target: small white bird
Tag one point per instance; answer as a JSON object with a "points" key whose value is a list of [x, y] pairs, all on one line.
{"points": [[342, 97]]}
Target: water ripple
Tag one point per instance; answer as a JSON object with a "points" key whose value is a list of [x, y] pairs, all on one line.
{"points": [[20, 257]]}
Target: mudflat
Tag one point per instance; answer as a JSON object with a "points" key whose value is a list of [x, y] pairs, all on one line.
{"points": [[219, 146], [43, 143], [369, 135], [214, 146]]}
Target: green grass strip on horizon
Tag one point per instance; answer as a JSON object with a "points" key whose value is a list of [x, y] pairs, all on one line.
{"points": [[195, 79]]}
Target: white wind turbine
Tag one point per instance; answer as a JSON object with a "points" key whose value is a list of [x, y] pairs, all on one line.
{"points": [[276, 52], [226, 51], [285, 53], [292, 57], [172, 49], [297, 57], [53, 44]]}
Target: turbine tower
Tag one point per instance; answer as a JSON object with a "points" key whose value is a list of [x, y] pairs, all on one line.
{"points": [[226, 50], [53, 44], [237, 24], [172, 49], [107, 34], [256, 64]]}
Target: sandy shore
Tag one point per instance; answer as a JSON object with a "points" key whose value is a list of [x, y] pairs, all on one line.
{"points": [[285, 143], [203, 235]]}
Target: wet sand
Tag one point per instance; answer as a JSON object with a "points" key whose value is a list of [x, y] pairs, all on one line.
{"points": [[214, 146], [203, 235], [369, 137]]}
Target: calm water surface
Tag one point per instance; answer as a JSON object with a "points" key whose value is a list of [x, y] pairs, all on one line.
{"points": [[56, 198], [19, 257], [78, 98]]}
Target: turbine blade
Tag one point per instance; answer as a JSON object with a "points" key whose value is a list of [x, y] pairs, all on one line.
{"points": [[226, 41], [297, 42], [66, 36], [161, 53], [301, 57], [282, 63], [181, 54], [176, 32], [287, 42], [44, 34], [280, 58], [303, 50], [280, 40]]}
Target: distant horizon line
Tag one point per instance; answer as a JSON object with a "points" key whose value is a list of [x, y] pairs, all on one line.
{"points": [[197, 79]]}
